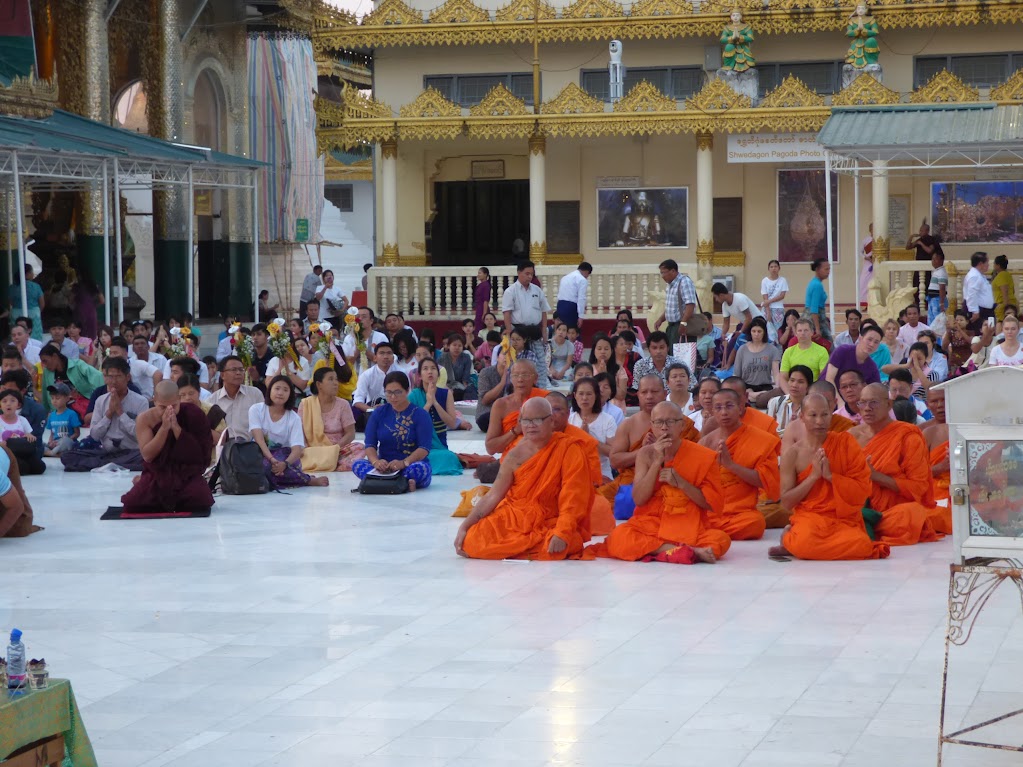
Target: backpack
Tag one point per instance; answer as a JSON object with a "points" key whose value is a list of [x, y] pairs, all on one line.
{"points": [[240, 469]]}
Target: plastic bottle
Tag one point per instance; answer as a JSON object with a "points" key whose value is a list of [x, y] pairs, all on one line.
{"points": [[16, 671]]}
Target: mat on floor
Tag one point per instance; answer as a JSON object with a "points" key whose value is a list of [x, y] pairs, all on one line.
{"points": [[118, 512]]}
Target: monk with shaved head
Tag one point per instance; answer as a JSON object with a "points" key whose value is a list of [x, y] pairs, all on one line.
{"points": [[748, 458], [902, 491], [540, 503], [677, 488], [504, 429], [825, 481], [176, 444], [750, 416], [796, 431], [634, 433]]}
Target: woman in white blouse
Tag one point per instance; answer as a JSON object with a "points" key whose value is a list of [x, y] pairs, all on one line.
{"points": [[277, 429], [1008, 353], [588, 416], [773, 289], [300, 372]]}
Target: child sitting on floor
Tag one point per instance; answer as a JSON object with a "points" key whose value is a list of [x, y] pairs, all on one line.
{"points": [[14, 424], [64, 424]]}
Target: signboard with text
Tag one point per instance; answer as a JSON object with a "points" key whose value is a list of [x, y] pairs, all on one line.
{"points": [[774, 147], [302, 230]]}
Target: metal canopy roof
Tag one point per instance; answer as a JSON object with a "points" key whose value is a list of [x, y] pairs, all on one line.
{"points": [[915, 138]]}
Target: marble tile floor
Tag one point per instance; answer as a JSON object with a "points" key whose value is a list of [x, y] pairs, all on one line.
{"points": [[324, 628]]}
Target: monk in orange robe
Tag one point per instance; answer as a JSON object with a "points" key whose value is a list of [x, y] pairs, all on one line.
{"points": [[539, 505], [634, 433], [504, 430], [900, 472], [676, 488], [825, 481], [602, 518], [748, 459], [936, 437], [751, 417]]}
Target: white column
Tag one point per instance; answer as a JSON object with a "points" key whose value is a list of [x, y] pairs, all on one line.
{"points": [[705, 217], [389, 194], [538, 198], [879, 193]]}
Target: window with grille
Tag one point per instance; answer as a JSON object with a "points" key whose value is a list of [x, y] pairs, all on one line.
{"points": [[823, 77], [980, 71], [342, 197], [677, 82], [470, 90]]}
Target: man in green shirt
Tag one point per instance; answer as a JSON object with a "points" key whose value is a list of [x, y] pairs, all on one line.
{"points": [[804, 352]]}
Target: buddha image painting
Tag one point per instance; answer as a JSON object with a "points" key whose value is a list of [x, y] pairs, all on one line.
{"points": [[643, 218]]}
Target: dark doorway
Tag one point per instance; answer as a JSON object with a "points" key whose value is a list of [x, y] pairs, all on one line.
{"points": [[478, 222]]}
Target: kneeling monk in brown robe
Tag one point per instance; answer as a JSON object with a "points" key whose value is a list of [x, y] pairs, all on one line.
{"points": [[748, 458], [825, 481], [539, 506], [176, 443], [677, 485], [902, 490]]}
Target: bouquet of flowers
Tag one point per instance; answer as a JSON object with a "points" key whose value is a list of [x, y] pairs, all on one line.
{"points": [[242, 345], [180, 345], [320, 337], [280, 341], [352, 328]]}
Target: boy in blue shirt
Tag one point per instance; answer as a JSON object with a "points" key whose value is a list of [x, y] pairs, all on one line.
{"points": [[64, 424]]}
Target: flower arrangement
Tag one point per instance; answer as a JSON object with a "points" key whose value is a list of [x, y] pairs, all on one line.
{"points": [[280, 341], [241, 343], [320, 337], [354, 329], [180, 345]]}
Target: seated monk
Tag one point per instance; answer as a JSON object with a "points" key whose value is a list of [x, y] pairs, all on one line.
{"points": [[902, 490], [839, 423], [677, 488], [539, 505], [825, 481], [602, 518], [176, 444], [936, 437], [748, 458], [634, 433], [15, 510], [751, 417], [504, 429]]}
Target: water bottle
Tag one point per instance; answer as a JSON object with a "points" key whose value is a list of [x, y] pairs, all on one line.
{"points": [[16, 673]]}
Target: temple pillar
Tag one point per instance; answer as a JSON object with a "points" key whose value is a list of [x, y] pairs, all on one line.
{"points": [[538, 198], [93, 103], [705, 218], [389, 195], [879, 195], [166, 109]]}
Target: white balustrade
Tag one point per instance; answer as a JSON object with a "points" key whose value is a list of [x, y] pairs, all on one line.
{"points": [[895, 274], [446, 292]]}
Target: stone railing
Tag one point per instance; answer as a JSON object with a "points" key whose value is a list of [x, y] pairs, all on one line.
{"points": [[446, 292], [900, 276]]}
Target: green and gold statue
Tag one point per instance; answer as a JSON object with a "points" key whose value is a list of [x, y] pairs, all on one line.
{"points": [[736, 37], [863, 50]]}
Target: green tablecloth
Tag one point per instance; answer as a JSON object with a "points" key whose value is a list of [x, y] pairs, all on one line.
{"points": [[39, 714]]}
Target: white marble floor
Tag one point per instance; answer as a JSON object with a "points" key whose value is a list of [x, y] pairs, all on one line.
{"points": [[323, 628]]}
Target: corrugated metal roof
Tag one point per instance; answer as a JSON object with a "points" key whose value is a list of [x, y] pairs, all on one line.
{"points": [[67, 132], [910, 125]]}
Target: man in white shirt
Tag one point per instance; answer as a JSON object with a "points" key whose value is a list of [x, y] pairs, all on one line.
{"points": [[372, 338], [852, 335], [310, 284], [572, 295], [737, 305], [179, 366], [143, 374], [524, 304], [978, 297], [909, 332], [370, 388], [333, 303], [235, 399], [58, 337], [394, 323], [27, 346]]}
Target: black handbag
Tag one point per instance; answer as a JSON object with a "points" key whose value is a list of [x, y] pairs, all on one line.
{"points": [[376, 484]]}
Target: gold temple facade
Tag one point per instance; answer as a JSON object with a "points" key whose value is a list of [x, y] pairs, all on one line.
{"points": [[660, 135]]}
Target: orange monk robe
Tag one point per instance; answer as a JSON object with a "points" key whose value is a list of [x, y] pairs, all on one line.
{"points": [[840, 423], [941, 518], [828, 523], [602, 518], [626, 476], [761, 420], [512, 418], [551, 495], [740, 517], [900, 451], [670, 516]]}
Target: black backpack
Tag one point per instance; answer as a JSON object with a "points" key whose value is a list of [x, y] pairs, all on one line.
{"points": [[240, 469]]}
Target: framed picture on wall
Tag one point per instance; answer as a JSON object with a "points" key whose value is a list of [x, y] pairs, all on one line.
{"points": [[643, 218], [802, 206], [977, 211]]}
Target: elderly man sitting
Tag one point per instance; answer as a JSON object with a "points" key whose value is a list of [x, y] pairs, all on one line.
{"points": [[112, 436], [539, 506], [176, 442]]}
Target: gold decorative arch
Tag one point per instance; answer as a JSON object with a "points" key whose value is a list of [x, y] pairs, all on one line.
{"points": [[792, 92], [392, 12], [717, 94], [865, 89], [1011, 89], [431, 103], [500, 102], [522, 10], [644, 97], [572, 100], [944, 87], [651, 8], [593, 9], [458, 12]]}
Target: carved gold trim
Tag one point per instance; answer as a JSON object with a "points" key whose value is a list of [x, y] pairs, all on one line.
{"points": [[717, 94], [394, 23], [430, 103], [458, 12], [944, 87], [704, 142], [538, 144], [792, 92], [704, 250], [500, 102], [865, 90], [1011, 89], [730, 258], [419, 259], [572, 100], [882, 250], [333, 170], [538, 252], [389, 149], [515, 119], [644, 97], [563, 259], [29, 97], [389, 256]]}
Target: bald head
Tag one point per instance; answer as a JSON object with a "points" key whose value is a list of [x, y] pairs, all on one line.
{"points": [[815, 414], [874, 405], [559, 409], [936, 404], [826, 389], [666, 410], [650, 391], [166, 393], [735, 384], [536, 408]]}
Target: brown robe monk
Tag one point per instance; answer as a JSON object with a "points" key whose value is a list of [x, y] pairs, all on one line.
{"points": [[15, 509]]}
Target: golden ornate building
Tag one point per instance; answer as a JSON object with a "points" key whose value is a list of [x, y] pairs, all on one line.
{"points": [[474, 157]]}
